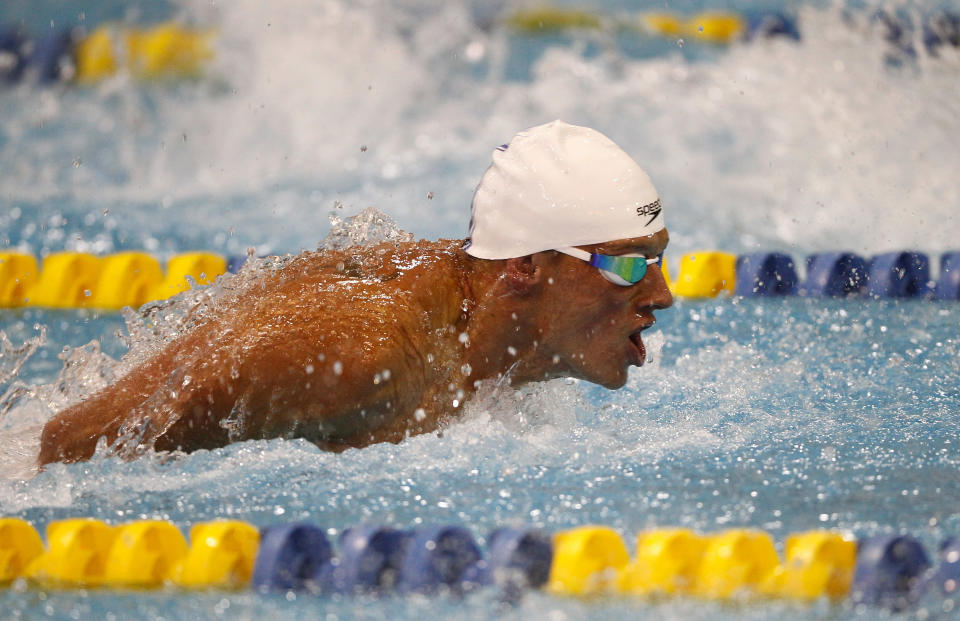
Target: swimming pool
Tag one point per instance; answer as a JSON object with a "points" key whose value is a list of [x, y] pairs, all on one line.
{"points": [[780, 414]]}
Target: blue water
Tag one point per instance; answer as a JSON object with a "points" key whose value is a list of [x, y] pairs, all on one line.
{"points": [[785, 415]]}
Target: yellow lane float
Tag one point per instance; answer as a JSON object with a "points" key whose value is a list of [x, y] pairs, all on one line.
{"points": [[587, 560], [167, 50], [666, 563], [67, 280], [76, 554], [95, 56], [19, 546], [818, 564], [735, 562], [126, 279], [18, 275], [705, 274], [201, 267], [143, 554], [221, 555]]}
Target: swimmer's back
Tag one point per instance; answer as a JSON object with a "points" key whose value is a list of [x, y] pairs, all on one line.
{"points": [[316, 348]]}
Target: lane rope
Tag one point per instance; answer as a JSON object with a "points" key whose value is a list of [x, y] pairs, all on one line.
{"points": [[111, 282], [889, 571]]}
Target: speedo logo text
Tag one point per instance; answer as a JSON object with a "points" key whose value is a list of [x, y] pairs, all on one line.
{"points": [[650, 209]]}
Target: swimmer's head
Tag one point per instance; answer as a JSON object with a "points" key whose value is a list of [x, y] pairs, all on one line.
{"points": [[559, 185]]}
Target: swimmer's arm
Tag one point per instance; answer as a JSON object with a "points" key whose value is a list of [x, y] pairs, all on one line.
{"points": [[72, 434]]}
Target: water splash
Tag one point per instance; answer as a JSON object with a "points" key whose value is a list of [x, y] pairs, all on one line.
{"points": [[368, 227], [87, 370], [818, 144], [12, 357]]}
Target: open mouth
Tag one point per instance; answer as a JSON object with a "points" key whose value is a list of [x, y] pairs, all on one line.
{"points": [[639, 351]]}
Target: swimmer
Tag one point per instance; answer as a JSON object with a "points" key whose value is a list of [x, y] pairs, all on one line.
{"points": [[559, 277]]}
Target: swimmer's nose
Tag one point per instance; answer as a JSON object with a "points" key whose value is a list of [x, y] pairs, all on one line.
{"points": [[658, 295]]}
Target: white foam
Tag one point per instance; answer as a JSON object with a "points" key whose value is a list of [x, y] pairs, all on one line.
{"points": [[816, 145]]}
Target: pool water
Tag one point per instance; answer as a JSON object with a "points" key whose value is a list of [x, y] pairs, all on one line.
{"points": [[780, 414]]}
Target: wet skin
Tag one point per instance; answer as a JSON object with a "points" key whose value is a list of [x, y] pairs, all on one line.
{"points": [[368, 345]]}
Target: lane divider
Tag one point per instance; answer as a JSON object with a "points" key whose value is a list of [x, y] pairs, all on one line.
{"points": [[161, 51], [831, 274], [715, 27], [936, 29], [891, 572], [79, 280]]}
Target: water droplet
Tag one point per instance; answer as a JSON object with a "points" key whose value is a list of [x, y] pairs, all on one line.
{"points": [[77, 162], [679, 42], [337, 367], [512, 350], [419, 414], [309, 369]]}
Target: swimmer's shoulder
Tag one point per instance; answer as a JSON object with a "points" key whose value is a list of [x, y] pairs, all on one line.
{"points": [[384, 261]]}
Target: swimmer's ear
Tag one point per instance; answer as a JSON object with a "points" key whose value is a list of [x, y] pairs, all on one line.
{"points": [[522, 274]]}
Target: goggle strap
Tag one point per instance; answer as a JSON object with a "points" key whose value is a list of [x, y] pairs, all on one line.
{"points": [[583, 255]]}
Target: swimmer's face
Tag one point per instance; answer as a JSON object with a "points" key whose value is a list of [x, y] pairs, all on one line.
{"points": [[594, 331]]}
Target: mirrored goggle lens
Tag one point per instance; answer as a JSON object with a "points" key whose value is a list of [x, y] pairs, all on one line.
{"points": [[630, 269]]}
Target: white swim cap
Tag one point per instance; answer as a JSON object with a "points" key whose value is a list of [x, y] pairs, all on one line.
{"points": [[559, 185]]}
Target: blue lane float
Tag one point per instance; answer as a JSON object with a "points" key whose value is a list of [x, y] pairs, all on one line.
{"points": [[946, 579], [899, 275], [948, 286], [370, 560], [941, 29], [291, 556], [834, 274], [438, 558], [13, 49], [889, 571], [769, 24], [52, 58], [235, 262], [765, 274], [518, 558], [937, 30]]}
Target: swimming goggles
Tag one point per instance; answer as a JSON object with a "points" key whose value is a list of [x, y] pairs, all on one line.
{"points": [[622, 269]]}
